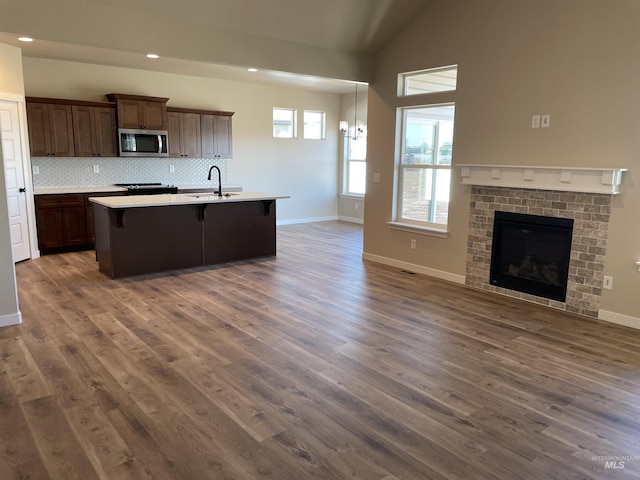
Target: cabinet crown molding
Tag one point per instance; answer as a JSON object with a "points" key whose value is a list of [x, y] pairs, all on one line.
{"points": [[139, 98]]}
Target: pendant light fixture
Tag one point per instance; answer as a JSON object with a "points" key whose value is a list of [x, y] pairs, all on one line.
{"points": [[344, 125]]}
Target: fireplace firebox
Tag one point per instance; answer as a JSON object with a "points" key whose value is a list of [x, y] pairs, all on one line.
{"points": [[531, 253]]}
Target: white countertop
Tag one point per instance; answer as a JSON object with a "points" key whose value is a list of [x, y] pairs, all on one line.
{"points": [[61, 190], [134, 201], [113, 188]]}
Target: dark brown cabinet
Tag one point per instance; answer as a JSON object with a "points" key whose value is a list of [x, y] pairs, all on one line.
{"points": [[147, 113], [95, 132], [184, 134], [61, 221], [216, 136], [50, 129], [91, 231], [65, 221], [140, 240]]}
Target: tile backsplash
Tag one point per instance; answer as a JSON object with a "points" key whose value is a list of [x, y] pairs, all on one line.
{"points": [[79, 171]]}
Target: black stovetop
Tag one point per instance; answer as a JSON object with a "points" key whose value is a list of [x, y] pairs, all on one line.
{"points": [[147, 188]]}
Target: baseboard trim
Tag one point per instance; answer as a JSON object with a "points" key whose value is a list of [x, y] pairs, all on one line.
{"points": [[619, 319], [431, 272], [306, 220], [359, 221], [11, 319]]}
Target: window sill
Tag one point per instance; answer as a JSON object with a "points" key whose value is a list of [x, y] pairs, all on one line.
{"points": [[352, 195], [406, 227]]}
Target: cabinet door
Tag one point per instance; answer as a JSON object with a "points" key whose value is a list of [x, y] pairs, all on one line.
{"points": [[222, 136], [216, 136], [61, 130], [84, 135], [184, 135], [175, 134], [74, 226], [38, 124], [49, 224], [191, 139], [129, 114], [154, 115], [106, 132]]}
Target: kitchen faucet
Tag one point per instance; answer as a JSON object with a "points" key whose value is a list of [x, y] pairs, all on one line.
{"points": [[219, 179]]}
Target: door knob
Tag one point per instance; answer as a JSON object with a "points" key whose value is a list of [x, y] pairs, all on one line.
{"points": [[22, 190]]}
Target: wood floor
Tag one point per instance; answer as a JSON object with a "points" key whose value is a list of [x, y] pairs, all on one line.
{"points": [[310, 365]]}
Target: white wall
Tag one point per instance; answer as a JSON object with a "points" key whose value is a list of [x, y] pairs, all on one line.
{"points": [[10, 83], [307, 170]]}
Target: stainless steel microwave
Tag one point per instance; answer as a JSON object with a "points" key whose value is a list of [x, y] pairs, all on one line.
{"points": [[143, 143]]}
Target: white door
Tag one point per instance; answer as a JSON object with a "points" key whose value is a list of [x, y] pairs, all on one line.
{"points": [[14, 177]]}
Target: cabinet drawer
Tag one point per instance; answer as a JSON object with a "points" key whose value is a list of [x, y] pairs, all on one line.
{"points": [[56, 201]]}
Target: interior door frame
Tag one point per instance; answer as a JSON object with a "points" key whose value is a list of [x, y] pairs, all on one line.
{"points": [[20, 102]]}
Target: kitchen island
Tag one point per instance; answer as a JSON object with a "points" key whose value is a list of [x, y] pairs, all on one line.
{"points": [[154, 233]]}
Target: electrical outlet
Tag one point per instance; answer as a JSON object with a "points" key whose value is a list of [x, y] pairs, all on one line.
{"points": [[413, 244], [535, 121], [608, 283], [36, 170], [96, 169], [376, 178], [357, 206], [172, 169]]}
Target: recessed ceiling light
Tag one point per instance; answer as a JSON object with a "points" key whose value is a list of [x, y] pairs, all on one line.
{"points": [[252, 69], [152, 55], [25, 39]]}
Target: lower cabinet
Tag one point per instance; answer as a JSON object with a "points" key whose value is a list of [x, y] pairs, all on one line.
{"points": [[65, 221], [61, 221]]}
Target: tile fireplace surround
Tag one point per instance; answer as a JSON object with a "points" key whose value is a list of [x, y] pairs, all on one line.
{"points": [[590, 211]]}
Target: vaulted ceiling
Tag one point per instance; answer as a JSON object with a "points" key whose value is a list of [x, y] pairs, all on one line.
{"points": [[308, 43]]}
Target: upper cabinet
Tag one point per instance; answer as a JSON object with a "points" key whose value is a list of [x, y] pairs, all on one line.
{"points": [[77, 128], [184, 134], [50, 129], [216, 135], [134, 111], [95, 131]]}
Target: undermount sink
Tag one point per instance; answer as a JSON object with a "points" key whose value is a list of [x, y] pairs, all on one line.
{"points": [[210, 196]]}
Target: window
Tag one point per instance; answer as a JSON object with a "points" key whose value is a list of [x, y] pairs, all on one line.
{"points": [[284, 123], [442, 79], [314, 125], [424, 166], [424, 147], [355, 162]]}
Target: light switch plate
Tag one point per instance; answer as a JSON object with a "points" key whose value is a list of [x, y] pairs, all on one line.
{"points": [[36, 170], [376, 178], [535, 121], [546, 121]]}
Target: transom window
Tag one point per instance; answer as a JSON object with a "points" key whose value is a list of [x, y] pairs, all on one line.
{"points": [[284, 123], [314, 125], [443, 79]]}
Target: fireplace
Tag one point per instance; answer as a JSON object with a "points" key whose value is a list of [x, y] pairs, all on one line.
{"points": [[531, 253]]}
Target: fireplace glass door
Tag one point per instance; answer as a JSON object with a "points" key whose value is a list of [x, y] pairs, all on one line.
{"points": [[531, 254]]}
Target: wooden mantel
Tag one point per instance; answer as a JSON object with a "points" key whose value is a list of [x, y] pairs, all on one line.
{"points": [[569, 179]]}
